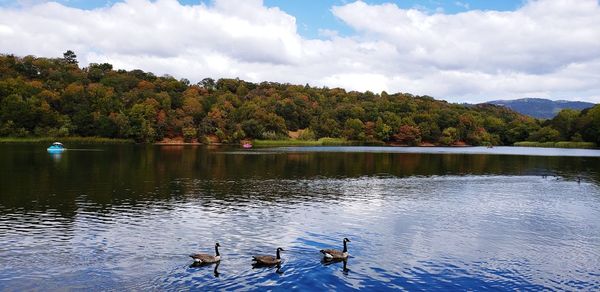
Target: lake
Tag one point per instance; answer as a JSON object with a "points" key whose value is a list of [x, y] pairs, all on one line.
{"points": [[126, 217]]}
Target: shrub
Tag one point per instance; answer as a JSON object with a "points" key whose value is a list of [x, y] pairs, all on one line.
{"points": [[189, 133], [307, 135]]}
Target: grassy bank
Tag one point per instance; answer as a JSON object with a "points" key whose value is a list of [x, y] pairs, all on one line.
{"points": [[584, 145], [295, 142], [78, 140]]}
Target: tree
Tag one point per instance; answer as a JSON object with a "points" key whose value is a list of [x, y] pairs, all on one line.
{"points": [[274, 123], [545, 134], [565, 123], [449, 136], [70, 58], [121, 124], [589, 124], [253, 129], [354, 129], [53, 96], [192, 105], [383, 132], [208, 83], [189, 134], [429, 131], [408, 135], [520, 130], [478, 137], [326, 127]]}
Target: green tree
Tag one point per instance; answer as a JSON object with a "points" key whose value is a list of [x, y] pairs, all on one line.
{"points": [[253, 129], [354, 130], [70, 58], [588, 124], [449, 136], [565, 123], [383, 132], [326, 127], [429, 131], [545, 134], [189, 134]]}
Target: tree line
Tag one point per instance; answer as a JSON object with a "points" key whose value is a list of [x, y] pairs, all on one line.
{"points": [[55, 97]]}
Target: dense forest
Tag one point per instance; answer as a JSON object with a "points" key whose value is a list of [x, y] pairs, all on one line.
{"points": [[54, 97]]}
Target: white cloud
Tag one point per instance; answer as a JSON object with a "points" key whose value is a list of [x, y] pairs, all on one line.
{"points": [[329, 33], [547, 48], [462, 4]]}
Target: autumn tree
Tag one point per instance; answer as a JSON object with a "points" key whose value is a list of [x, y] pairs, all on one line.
{"points": [[53, 96], [408, 135]]}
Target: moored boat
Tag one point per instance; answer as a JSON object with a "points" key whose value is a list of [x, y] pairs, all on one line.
{"points": [[56, 147]]}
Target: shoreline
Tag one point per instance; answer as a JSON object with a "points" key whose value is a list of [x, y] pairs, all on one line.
{"points": [[290, 143], [79, 140]]}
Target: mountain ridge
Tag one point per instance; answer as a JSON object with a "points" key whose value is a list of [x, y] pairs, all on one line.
{"points": [[540, 107]]}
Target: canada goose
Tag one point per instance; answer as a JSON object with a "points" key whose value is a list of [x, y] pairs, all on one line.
{"points": [[202, 258], [268, 260], [332, 254]]}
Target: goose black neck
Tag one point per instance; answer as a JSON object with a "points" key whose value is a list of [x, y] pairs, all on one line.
{"points": [[278, 256], [217, 250], [345, 247]]}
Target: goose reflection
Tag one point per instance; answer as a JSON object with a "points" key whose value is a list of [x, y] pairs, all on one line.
{"points": [[344, 262], [201, 265], [263, 266]]}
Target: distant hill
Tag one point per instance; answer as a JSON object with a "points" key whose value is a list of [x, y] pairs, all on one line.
{"points": [[541, 108]]}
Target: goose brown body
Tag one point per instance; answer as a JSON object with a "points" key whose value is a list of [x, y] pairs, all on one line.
{"points": [[203, 258], [333, 254], [267, 259]]}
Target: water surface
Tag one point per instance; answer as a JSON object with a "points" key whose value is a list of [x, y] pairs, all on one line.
{"points": [[126, 217]]}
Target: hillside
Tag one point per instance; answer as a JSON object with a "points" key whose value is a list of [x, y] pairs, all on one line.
{"points": [[55, 97], [541, 108]]}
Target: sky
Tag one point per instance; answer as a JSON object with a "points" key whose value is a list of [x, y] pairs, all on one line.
{"points": [[460, 51]]}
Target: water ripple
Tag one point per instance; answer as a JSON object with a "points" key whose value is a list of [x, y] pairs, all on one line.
{"points": [[414, 233]]}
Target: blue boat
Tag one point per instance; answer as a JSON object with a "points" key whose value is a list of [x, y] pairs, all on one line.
{"points": [[56, 147]]}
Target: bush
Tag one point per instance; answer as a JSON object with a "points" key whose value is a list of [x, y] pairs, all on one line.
{"points": [[204, 140], [189, 133], [408, 135], [7, 128], [270, 135], [449, 136], [545, 134], [238, 135], [354, 129], [222, 136], [327, 141], [564, 144], [307, 135]]}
